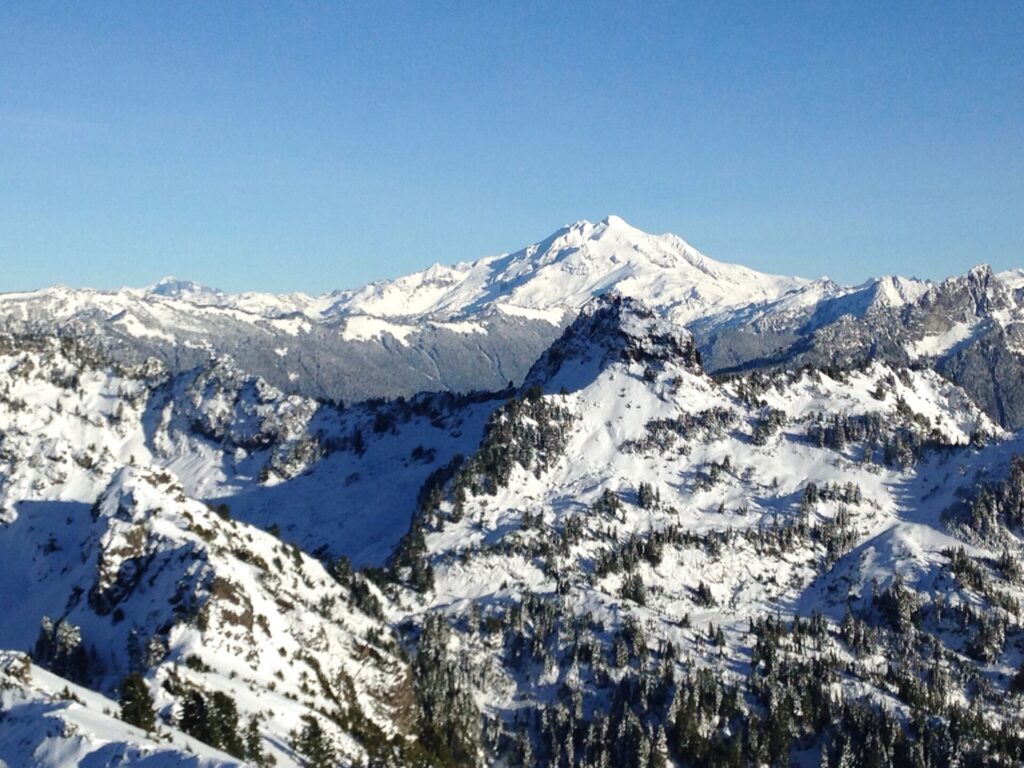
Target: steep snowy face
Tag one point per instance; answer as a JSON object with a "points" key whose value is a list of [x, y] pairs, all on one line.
{"points": [[147, 580], [895, 291], [557, 276], [605, 551], [69, 422], [110, 567]]}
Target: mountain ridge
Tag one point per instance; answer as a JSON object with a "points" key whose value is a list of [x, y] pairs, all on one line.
{"points": [[479, 325]]}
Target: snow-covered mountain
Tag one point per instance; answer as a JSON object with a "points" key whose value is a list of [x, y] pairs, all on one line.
{"points": [[558, 275], [719, 518], [969, 328], [471, 326], [629, 525], [109, 568], [550, 574], [479, 325], [545, 280]]}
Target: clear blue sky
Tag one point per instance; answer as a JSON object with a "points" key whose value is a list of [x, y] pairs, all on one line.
{"points": [[309, 146]]}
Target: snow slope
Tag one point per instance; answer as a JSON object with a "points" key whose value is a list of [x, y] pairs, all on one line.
{"points": [[101, 544], [606, 529], [50, 722]]}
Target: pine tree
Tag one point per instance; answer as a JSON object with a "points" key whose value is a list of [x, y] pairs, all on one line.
{"points": [[223, 724], [312, 743], [846, 757], [647, 496], [704, 596], [194, 718], [254, 744], [1017, 684], [137, 703], [659, 754], [60, 649], [449, 720]]}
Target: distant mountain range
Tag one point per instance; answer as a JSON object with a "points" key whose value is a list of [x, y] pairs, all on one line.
{"points": [[480, 325]]}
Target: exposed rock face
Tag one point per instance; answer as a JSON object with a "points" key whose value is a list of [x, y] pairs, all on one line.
{"points": [[609, 329], [968, 328]]}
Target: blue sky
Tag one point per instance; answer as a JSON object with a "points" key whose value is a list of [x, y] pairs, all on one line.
{"points": [[312, 146]]}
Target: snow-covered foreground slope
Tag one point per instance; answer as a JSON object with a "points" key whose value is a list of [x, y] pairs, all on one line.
{"points": [[149, 581], [109, 567], [624, 562], [50, 722]]}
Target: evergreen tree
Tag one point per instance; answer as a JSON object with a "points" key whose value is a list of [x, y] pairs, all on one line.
{"points": [[450, 721], [60, 649], [647, 496], [223, 724], [254, 744], [313, 744], [194, 718], [1017, 684], [137, 703], [213, 721]]}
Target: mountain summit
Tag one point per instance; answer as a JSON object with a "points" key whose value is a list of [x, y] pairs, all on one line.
{"points": [[612, 328], [561, 273], [187, 290]]}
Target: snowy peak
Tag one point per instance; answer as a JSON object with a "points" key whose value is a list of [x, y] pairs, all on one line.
{"points": [[558, 275], [610, 329], [1012, 278], [895, 291], [186, 290], [665, 271], [677, 251], [981, 273]]}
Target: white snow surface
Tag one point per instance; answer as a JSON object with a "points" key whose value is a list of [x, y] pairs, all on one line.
{"points": [[98, 531], [49, 722], [569, 268]]}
